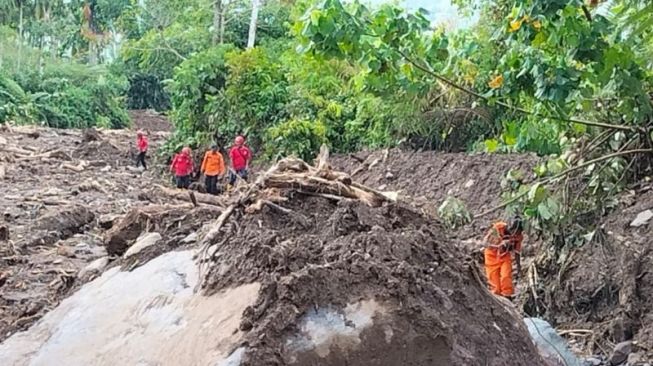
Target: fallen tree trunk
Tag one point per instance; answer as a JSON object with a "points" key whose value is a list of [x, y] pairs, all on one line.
{"points": [[316, 184], [184, 195]]}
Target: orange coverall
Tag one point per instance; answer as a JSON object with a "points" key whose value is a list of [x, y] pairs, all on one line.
{"points": [[498, 261]]}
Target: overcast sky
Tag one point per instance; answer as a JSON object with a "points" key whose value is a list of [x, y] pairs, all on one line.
{"points": [[442, 11]]}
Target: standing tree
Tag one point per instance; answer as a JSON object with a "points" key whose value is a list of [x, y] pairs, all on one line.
{"points": [[218, 20], [252, 25]]}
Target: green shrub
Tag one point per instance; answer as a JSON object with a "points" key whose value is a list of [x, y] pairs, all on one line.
{"points": [[58, 93], [301, 138]]}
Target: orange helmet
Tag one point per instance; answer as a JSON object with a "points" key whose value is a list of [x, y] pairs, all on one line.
{"points": [[186, 150], [239, 140]]}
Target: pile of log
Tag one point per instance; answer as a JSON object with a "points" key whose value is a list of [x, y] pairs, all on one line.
{"points": [[288, 174]]}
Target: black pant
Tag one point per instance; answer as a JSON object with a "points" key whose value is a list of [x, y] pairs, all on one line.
{"points": [[241, 172], [183, 181], [211, 182], [140, 160]]}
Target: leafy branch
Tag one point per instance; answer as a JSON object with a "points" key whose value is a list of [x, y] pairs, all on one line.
{"points": [[455, 85], [563, 174]]}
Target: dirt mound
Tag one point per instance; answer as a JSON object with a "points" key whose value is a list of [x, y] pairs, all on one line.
{"points": [[348, 277], [149, 120], [427, 178], [432, 308], [102, 150]]}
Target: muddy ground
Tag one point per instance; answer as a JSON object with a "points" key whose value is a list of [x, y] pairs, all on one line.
{"points": [[61, 190], [328, 255], [599, 294], [66, 192], [427, 178]]}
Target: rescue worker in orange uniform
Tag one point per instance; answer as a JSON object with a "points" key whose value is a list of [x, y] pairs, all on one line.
{"points": [[503, 241], [212, 168]]}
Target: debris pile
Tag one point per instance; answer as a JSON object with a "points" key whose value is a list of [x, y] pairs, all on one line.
{"points": [[59, 193], [348, 276]]}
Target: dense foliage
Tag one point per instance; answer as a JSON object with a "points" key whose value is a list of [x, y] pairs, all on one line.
{"points": [[37, 88]]}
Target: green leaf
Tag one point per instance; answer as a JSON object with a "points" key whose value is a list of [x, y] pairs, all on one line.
{"points": [[544, 212], [540, 170], [537, 193], [491, 145], [315, 17]]}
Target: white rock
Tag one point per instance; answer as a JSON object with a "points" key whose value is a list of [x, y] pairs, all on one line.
{"points": [[148, 316], [106, 169], [143, 241], [94, 267], [191, 238], [469, 183], [642, 218]]}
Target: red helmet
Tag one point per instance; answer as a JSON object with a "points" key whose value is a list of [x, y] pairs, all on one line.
{"points": [[239, 140]]}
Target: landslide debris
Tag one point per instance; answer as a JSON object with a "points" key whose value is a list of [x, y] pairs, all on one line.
{"points": [[353, 281], [599, 293], [57, 185], [427, 178]]}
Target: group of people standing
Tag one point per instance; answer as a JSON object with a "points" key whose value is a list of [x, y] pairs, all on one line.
{"points": [[213, 165], [502, 243]]}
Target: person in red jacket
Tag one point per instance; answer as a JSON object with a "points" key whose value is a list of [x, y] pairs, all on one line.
{"points": [[141, 144], [240, 156], [182, 167]]}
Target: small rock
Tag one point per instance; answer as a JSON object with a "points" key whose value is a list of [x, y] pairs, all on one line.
{"points": [[106, 221], [642, 218], [592, 361], [382, 187], [94, 267], [144, 241], [191, 238], [246, 325], [66, 251], [469, 183], [4, 233], [621, 352], [106, 169], [389, 175]]}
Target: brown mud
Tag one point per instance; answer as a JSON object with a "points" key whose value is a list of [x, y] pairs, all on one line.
{"points": [[600, 294], [426, 178], [435, 304], [71, 198]]}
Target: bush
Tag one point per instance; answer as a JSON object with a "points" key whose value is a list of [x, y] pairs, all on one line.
{"points": [[58, 93], [453, 213], [295, 137]]}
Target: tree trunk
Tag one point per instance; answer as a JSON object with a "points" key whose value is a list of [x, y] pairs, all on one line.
{"points": [[217, 22], [251, 39], [20, 34], [222, 25], [20, 21]]}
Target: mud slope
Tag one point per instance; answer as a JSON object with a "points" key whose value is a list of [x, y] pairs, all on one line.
{"points": [[346, 284], [427, 178], [606, 286]]}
